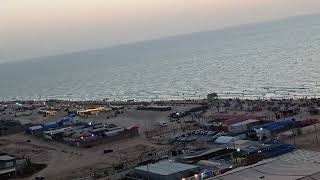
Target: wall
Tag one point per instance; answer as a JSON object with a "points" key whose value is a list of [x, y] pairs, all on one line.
{"points": [[310, 129], [238, 129], [125, 134]]}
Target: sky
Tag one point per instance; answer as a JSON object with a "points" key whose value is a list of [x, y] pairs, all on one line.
{"points": [[34, 28]]}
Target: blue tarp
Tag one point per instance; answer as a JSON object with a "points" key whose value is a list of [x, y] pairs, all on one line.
{"points": [[34, 129], [51, 125]]}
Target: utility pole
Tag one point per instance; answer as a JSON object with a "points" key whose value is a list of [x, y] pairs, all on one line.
{"points": [[294, 138], [234, 150], [315, 129]]}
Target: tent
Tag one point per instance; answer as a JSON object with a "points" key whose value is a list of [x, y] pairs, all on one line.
{"points": [[224, 139]]}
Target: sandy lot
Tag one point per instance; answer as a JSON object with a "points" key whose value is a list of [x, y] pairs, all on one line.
{"points": [[65, 162], [308, 141]]}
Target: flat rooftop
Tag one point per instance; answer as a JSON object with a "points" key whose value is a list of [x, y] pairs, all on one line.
{"points": [[295, 165], [166, 167], [202, 153], [6, 158], [229, 119]]}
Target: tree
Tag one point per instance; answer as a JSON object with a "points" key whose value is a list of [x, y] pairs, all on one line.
{"points": [[213, 100]]}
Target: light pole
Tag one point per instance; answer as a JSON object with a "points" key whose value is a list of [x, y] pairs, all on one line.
{"points": [[234, 150], [148, 171], [220, 123]]}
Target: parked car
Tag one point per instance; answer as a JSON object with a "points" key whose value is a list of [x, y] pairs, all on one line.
{"points": [[212, 133], [183, 139], [191, 139], [218, 135], [105, 151], [162, 123]]}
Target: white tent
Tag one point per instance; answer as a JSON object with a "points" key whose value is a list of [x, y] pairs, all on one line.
{"points": [[224, 139]]}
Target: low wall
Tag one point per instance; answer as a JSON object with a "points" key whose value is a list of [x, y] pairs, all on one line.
{"points": [[124, 135], [310, 129], [167, 130]]}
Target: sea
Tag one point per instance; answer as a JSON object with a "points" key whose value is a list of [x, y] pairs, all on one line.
{"points": [[279, 59]]}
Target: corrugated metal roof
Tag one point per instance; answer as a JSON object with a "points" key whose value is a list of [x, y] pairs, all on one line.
{"points": [[202, 153], [166, 167], [276, 125], [245, 122], [233, 118], [6, 158]]}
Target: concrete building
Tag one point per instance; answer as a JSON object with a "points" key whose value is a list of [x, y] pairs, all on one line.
{"points": [[300, 164], [221, 122], [7, 166], [166, 170], [243, 126]]}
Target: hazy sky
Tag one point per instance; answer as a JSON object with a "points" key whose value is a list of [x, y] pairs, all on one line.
{"points": [[30, 28]]}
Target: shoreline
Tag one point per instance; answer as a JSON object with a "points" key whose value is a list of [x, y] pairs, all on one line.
{"points": [[134, 101]]}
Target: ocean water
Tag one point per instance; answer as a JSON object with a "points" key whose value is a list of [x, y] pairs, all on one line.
{"points": [[275, 59]]}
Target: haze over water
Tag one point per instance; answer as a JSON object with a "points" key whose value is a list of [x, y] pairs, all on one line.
{"points": [[276, 59]]}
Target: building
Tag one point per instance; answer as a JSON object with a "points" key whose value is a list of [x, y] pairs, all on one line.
{"points": [[221, 122], [166, 170], [204, 154], [268, 130], [35, 130], [7, 166], [213, 167], [243, 126], [300, 164]]}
